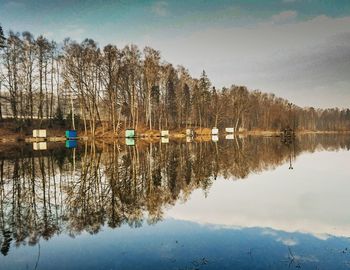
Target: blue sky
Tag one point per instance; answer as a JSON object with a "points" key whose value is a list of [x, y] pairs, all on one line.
{"points": [[298, 49], [110, 21]]}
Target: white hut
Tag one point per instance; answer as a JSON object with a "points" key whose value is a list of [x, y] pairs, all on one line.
{"points": [[39, 133], [164, 133], [229, 130], [215, 131], [130, 133], [189, 132]]}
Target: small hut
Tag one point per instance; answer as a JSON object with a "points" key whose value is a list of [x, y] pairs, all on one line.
{"points": [[39, 133], [229, 130], [130, 133], [189, 132], [215, 131], [164, 133], [71, 134]]}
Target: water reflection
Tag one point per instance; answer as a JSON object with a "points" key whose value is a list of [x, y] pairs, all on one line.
{"points": [[71, 191]]}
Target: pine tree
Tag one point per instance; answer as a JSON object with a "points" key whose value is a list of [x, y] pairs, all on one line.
{"points": [[186, 102], [2, 45], [2, 38], [171, 99]]}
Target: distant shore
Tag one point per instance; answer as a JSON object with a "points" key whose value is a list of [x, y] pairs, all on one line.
{"points": [[204, 134]]}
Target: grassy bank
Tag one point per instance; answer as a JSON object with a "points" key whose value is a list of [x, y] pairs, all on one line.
{"points": [[11, 131]]}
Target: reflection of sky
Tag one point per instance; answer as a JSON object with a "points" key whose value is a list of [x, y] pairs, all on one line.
{"points": [[182, 245], [313, 198]]}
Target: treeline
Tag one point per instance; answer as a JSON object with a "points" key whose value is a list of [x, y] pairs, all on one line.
{"points": [[126, 87]]}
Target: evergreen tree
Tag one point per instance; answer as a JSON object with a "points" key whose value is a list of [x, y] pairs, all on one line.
{"points": [[2, 38], [171, 98], [186, 101]]}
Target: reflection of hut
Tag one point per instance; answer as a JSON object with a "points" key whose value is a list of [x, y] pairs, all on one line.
{"points": [[214, 131], [288, 132], [37, 146], [242, 136], [130, 133], [215, 138], [165, 140], [287, 135], [229, 137], [189, 139], [71, 144], [164, 133], [129, 141]]}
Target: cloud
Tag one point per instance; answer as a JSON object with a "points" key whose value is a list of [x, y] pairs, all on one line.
{"points": [[13, 5], [287, 241], [322, 69], [271, 57], [269, 232], [160, 8], [284, 16]]}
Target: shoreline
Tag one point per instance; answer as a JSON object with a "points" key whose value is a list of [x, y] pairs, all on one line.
{"points": [[155, 135]]}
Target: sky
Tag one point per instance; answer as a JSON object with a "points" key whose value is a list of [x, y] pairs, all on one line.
{"points": [[296, 49]]}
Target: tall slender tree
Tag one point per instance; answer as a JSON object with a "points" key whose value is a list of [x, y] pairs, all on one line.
{"points": [[2, 46]]}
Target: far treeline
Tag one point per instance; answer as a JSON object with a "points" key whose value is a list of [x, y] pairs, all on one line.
{"points": [[117, 88]]}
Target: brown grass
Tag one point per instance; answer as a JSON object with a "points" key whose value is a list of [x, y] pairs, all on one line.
{"points": [[202, 131]]}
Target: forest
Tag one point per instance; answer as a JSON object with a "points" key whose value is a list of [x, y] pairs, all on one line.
{"points": [[86, 87]]}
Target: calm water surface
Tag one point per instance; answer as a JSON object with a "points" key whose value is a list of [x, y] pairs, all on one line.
{"points": [[246, 203]]}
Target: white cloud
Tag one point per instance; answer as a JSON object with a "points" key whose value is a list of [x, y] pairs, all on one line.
{"points": [[13, 5], [287, 241], [269, 232], [160, 8], [285, 16], [264, 57]]}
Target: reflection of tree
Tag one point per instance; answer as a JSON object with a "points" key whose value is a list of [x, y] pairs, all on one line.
{"points": [[47, 193]]}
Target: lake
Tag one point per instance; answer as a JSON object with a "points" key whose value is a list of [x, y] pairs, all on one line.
{"points": [[238, 203]]}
